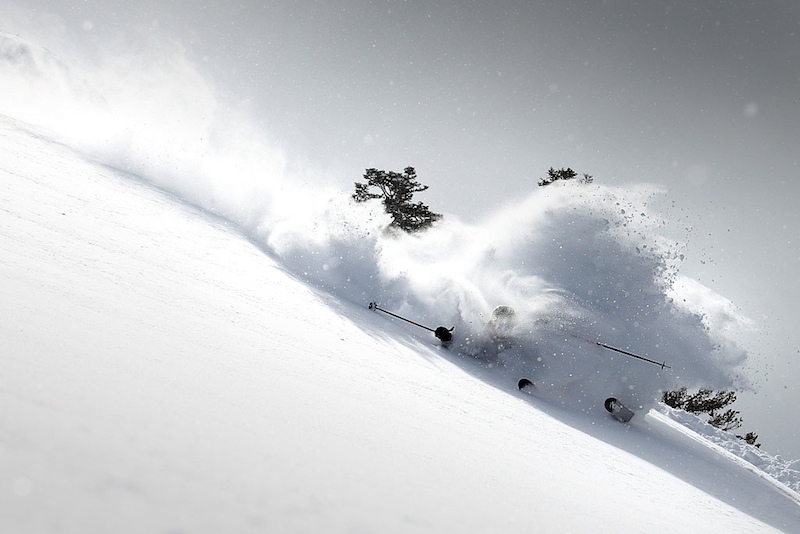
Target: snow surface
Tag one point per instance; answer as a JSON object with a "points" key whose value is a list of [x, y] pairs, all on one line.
{"points": [[198, 356]]}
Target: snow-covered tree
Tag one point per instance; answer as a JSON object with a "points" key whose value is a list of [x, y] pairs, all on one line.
{"points": [[395, 191]]}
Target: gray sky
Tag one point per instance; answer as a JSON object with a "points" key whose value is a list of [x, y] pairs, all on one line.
{"points": [[482, 97]]}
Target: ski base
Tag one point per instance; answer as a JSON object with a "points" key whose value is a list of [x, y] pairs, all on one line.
{"points": [[618, 411]]}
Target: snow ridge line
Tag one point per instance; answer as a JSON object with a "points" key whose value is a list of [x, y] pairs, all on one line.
{"points": [[692, 427]]}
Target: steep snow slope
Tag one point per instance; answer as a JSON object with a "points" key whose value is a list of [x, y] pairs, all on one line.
{"points": [[160, 373], [576, 263]]}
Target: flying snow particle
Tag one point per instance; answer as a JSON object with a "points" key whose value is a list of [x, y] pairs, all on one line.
{"points": [[751, 110], [22, 486]]}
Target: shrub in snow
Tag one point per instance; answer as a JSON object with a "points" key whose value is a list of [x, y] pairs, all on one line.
{"points": [[750, 438]]}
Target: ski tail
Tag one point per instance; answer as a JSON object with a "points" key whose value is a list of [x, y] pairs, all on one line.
{"points": [[618, 411]]}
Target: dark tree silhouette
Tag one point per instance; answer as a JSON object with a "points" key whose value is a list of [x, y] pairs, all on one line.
{"points": [[751, 438], [554, 175], [395, 191], [706, 401]]}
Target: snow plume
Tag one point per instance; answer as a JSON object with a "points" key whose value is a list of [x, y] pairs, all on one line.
{"points": [[148, 110], [580, 264]]}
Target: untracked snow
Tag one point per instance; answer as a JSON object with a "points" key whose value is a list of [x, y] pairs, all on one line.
{"points": [[186, 344]]}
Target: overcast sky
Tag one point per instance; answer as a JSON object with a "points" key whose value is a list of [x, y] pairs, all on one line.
{"points": [[482, 97]]}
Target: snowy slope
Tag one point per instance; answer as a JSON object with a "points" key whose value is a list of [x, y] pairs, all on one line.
{"points": [[163, 374], [576, 264]]}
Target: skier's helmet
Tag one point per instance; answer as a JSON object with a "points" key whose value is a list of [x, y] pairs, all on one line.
{"points": [[502, 322]]}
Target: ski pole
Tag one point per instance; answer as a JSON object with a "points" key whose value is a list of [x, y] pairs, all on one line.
{"points": [[374, 306], [441, 332], [609, 347]]}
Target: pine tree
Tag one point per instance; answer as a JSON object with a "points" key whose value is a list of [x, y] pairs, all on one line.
{"points": [[676, 398], [751, 438], [707, 402], [395, 191], [560, 174], [727, 420]]}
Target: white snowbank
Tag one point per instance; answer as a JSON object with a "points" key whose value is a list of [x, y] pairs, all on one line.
{"points": [[787, 472]]}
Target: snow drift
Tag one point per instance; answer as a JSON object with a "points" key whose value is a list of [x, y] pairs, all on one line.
{"points": [[576, 262]]}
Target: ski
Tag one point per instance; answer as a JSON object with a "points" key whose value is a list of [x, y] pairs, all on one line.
{"points": [[526, 386], [618, 411]]}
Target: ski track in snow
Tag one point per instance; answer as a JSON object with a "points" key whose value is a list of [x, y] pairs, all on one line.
{"points": [[162, 374]]}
